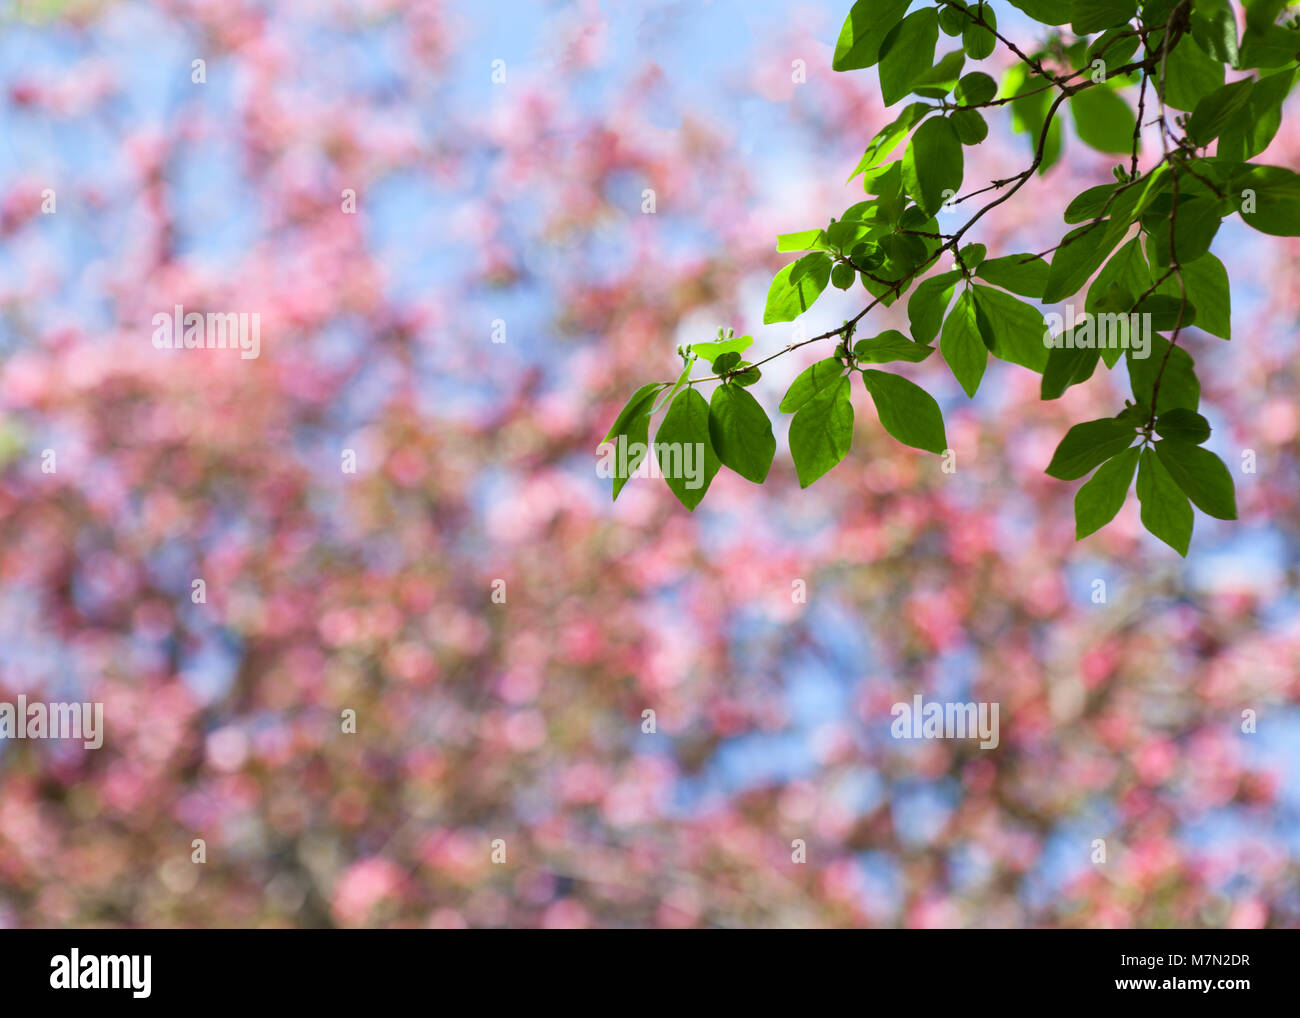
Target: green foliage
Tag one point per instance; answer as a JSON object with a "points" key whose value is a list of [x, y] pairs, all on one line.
{"points": [[1206, 283], [1189, 74], [929, 303], [633, 426], [1140, 245], [978, 38], [712, 351], [796, 287], [1201, 476], [1011, 329], [1081, 253], [812, 380], [1172, 366], [975, 89], [1088, 16], [1184, 425], [907, 52], [740, 433], [1023, 274], [1088, 445], [933, 164], [1103, 120], [906, 411], [1098, 500], [864, 30], [962, 344], [1270, 198], [890, 345], [687, 423], [822, 431], [1166, 512]]}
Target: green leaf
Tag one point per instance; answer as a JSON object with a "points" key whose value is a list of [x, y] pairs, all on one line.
{"points": [[1194, 229], [1201, 476], [724, 363], [1262, 13], [741, 433], [1268, 46], [1217, 110], [888, 137], [905, 254], [1117, 287], [1206, 281], [811, 380], [1167, 311], [975, 89], [1135, 198], [953, 21], [971, 128], [796, 287], [1067, 366], [1049, 12], [1103, 120], [1190, 75], [865, 28], [1136, 414], [1179, 386], [890, 345], [906, 411], [979, 41], [713, 350], [1011, 329], [1100, 498], [1088, 16], [962, 345], [1081, 253], [933, 164], [804, 240], [842, 276], [1214, 27], [686, 427], [941, 79], [640, 403], [1183, 425], [1089, 444], [1270, 199], [822, 432], [677, 386], [743, 376], [1025, 274], [633, 426], [928, 303], [1125, 274], [848, 233], [1115, 46], [1165, 510], [1089, 204], [868, 255], [1029, 113], [884, 292], [1250, 133], [887, 182], [907, 52]]}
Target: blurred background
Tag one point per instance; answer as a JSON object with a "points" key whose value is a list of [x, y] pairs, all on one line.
{"points": [[513, 208]]}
